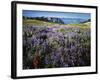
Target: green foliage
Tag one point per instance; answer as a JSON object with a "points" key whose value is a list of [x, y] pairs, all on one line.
{"points": [[29, 22]]}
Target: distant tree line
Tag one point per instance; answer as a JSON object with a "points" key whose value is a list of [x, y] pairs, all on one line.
{"points": [[47, 19]]}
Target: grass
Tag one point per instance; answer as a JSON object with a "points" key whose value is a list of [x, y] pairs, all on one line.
{"points": [[37, 23], [81, 25], [30, 22]]}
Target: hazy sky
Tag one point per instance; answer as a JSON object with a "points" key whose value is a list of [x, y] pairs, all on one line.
{"points": [[32, 13]]}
